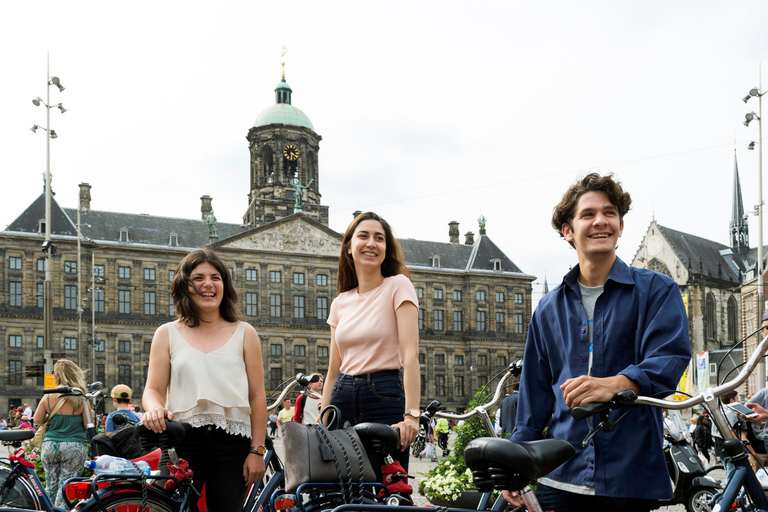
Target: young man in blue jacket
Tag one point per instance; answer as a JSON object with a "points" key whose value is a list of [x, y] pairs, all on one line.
{"points": [[606, 328]]}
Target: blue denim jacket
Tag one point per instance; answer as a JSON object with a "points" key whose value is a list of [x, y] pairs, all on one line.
{"points": [[640, 330]]}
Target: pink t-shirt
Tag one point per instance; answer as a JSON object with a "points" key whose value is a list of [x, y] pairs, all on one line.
{"points": [[366, 326]]}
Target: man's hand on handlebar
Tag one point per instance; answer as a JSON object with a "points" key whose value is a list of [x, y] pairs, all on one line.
{"points": [[513, 498], [584, 389], [154, 419]]}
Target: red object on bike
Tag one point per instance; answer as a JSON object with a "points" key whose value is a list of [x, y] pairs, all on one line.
{"points": [[395, 478], [180, 473], [18, 456]]}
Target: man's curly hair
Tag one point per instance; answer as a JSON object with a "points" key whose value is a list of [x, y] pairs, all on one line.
{"points": [[566, 209]]}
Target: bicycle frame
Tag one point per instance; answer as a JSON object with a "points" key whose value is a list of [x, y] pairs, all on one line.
{"points": [[23, 468], [743, 476]]}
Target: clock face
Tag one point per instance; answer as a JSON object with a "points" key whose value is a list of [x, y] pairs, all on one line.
{"points": [[290, 152]]}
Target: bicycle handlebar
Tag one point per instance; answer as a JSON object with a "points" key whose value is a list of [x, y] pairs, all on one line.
{"points": [[300, 379]]}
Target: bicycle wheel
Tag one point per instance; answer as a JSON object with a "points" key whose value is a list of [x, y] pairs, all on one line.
{"points": [[129, 500], [21, 495]]}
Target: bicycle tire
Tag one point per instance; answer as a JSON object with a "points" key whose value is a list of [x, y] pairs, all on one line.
{"points": [[21, 495], [129, 500]]}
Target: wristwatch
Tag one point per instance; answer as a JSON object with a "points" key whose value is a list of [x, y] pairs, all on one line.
{"points": [[259, 450], [413, 412]]}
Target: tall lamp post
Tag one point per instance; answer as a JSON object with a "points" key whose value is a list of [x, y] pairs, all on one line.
{"points": [[756, 92], [48, 248]]}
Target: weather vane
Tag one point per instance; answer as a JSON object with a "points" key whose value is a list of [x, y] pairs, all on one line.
{"points": [[282, 54]]}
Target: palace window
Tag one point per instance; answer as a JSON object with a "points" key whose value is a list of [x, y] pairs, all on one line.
{"points": [[322, 308], [438, 316], [14, 290], [149, 303], [251, 304], [457, 321], [298, 306]]}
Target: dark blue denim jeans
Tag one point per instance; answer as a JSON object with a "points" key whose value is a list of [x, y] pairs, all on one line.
{"points": [[376, 397], [217, 459], [563, 501]]}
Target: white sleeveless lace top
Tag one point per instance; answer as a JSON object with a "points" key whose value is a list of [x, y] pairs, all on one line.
{"points": [[209, 388]]}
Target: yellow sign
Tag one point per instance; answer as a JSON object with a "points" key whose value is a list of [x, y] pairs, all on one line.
{"points": [[679, 398], [49, 384]]}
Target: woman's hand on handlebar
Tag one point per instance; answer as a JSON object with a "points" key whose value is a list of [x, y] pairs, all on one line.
{"points": [[409, 429], [154, 419]]}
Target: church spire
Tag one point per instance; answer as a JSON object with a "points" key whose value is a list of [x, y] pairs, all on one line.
{"points": [[739, 229]]}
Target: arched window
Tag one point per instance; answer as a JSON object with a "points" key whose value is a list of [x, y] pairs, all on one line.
{"points": [[267, 163], [659, 267], [732, 321], [709, 317]]}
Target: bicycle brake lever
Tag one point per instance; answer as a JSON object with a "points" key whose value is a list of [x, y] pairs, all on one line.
{"points": [[592, 434]]}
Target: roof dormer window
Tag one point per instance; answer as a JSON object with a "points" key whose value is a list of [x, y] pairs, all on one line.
{"points": [[173, 240], [496, 265], [123, 235], [435, 261]]}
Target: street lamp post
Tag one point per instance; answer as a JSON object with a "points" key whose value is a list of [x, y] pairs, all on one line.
{"points": [[756, 92], [48, 248]]}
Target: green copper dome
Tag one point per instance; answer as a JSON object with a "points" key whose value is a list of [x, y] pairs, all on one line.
{"points": [[283, 113]]}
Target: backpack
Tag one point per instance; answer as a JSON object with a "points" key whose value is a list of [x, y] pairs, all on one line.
{"points": [[120, 443]]}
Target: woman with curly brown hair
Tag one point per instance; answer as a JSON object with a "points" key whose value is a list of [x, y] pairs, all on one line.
{"points": [[205, 369]]}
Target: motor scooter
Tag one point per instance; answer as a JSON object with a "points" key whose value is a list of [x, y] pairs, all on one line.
{"points": [[692, 486]]}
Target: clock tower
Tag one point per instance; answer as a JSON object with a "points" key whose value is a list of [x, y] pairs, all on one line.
{"points": [[284, 162]]}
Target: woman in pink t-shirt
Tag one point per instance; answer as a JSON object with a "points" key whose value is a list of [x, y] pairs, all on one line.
{"points": [[373, 371]]}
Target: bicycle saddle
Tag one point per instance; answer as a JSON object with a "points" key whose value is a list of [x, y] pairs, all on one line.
{"points": [[173, 435], [16, 435], [503, 464], [378, 438]]}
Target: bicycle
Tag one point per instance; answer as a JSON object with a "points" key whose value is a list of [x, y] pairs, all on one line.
{"points": [[136, 491], [499, 464], [21, 487]]}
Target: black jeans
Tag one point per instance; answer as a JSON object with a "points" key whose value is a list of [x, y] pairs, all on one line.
{"points": [[563, 501], [217, 460], [376, 397]]}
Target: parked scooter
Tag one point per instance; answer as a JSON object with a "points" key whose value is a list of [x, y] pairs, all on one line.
{"points": [[693, 487]]}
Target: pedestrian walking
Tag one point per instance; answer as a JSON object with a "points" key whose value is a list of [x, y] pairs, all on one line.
{"points": [[65, 446]]}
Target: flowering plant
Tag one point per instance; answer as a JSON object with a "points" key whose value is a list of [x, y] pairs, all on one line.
{"points": [[449, 478], [445, 482]]}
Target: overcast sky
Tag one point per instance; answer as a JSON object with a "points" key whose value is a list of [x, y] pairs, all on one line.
{"points": [[430, 111]]}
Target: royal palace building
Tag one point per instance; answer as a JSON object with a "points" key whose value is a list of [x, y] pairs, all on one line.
{"points": [[112, 290]]}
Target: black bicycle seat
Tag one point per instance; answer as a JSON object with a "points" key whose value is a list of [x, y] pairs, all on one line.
{"points": [[173, 435], [503, 464], [16, 435], [377, 437]]}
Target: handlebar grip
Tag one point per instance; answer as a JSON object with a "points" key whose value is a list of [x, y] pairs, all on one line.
{"points": [[585, 411], [61, 390]]}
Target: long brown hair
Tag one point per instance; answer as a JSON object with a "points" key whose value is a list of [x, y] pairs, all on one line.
{"points": [[71, 375], [394, 260], [186, 311]]}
